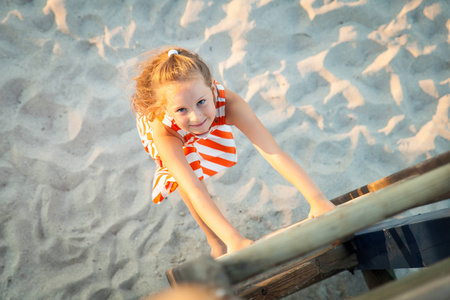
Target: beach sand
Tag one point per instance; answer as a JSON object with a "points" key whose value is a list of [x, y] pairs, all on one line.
{"points": [[352, 90]]}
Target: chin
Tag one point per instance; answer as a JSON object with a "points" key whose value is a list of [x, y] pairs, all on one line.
{"points": [[199, 132]]}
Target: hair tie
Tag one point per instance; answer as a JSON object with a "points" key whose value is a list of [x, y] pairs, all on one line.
{"points": [[173, 51]]}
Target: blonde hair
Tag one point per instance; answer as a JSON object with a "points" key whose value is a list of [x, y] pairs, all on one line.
{"points": [[159, 70]]}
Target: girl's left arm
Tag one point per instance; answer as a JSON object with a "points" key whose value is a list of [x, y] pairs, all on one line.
{"points": [[240, 114]]}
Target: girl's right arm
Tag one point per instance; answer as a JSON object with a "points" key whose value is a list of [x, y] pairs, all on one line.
{"points": [[240, 114], [170, 148]]}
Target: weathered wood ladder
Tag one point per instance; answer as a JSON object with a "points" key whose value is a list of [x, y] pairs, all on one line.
{"points": [[276, 266]]}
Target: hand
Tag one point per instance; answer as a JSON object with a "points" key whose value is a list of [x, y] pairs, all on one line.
{"points": [[320, 208], [238, 245]]}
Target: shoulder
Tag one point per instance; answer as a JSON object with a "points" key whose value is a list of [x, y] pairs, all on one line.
{"points": [[219, 96], [233, 99], [237, 109], [220, 89], [160, 130], [224, 94]]}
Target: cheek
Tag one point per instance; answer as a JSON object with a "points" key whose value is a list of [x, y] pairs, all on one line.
{"points": [[212, 109], [181, 120]]}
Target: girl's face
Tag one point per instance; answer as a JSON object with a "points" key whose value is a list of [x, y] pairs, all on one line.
{"points": [[192, 105]]}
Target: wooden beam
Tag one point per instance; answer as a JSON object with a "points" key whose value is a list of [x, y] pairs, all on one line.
{"points": [[428, 283], [422, 241], [337, 224], [411, 242], [377, 278], [299, 274], [285, 280], [204, 270], [418, 169]]}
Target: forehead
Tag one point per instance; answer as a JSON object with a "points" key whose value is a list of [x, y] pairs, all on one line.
{"points": [[182, 92]]}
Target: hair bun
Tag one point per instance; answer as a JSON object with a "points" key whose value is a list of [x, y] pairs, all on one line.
{"points": [[172, 51]]}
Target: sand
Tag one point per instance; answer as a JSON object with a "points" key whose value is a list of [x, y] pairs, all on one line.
{"points": [[353, 90]]}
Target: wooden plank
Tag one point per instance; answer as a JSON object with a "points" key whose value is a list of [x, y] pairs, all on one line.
{"points": [[376, 278], [284, 281], [204, 270], [415, 170], [428, 235], [418, 169], [275, 282], [299, 274], [337, 224], [428, 283], [412, 242]]}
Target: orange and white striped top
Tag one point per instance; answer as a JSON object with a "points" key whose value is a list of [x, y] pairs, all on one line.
{"points": [[207, 154]]}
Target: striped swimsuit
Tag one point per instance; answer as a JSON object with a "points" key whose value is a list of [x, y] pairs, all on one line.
{"points": [[207, 154]]}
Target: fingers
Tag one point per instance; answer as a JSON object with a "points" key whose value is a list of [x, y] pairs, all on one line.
{"points": [[311, 216]]}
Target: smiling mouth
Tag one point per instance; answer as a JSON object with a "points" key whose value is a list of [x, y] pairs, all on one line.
{"points": [[199, 125]]}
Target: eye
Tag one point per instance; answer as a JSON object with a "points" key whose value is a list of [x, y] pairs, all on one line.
{"points": [[181, 110], [201, 102]]}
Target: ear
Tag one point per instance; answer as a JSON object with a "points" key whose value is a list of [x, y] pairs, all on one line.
{"points": [[167, 112], [214, 90]]}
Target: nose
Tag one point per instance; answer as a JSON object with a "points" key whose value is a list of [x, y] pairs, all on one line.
{"points": [[195, 116]]}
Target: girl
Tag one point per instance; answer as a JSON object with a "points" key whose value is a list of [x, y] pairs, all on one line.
{"points": [[184, 118]]}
